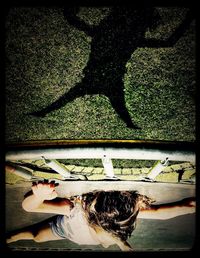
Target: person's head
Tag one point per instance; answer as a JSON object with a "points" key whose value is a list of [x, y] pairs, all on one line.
{"points": [[115, 211]]}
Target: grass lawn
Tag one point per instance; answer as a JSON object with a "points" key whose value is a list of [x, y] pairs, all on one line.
{"points": [[45, 57]]}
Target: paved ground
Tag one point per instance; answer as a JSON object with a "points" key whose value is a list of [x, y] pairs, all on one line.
{"points": [[173, 234]]}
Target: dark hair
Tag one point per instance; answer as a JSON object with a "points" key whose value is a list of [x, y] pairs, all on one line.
{"points": [[115, 211]]}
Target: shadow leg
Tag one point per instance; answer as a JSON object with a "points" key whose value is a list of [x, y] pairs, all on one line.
{"points": [[118, 103], [72, 94]]}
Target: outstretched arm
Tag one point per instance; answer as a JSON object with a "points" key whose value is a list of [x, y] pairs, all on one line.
{"points": [[70, 15], [169, 210], [175, 36], [43, 198]]}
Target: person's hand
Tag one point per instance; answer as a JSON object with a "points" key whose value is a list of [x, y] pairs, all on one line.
{"points": [[190, 202], [44, 190]]}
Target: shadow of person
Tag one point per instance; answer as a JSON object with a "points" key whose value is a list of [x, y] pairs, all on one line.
{"points": [[114, 40]]}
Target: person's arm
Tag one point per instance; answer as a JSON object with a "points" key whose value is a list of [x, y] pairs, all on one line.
{"points": [[107, 239], [174, 37], [70, 15], [44, 199], [169, 210]]}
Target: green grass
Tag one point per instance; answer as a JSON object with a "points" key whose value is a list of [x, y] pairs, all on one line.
{"points": [[45, 57], [116, 163]]}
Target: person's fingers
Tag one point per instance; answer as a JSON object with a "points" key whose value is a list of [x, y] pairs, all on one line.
{"points": [[45, 187], [192, 203], [46, 181], [40, 185], [53, 184]]}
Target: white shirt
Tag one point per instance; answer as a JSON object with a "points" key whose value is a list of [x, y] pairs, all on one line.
{"points": [[77, 229]]}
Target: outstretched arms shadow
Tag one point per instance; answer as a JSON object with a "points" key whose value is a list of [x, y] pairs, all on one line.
{"points": [[114, 40]]}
